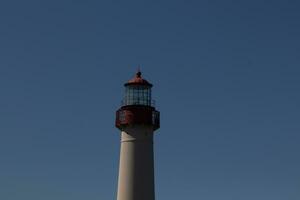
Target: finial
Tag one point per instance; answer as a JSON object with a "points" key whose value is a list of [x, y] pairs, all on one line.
{"points": [[139, 73]]}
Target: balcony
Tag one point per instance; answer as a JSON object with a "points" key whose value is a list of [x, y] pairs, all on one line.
{"points": [[128, 116]]}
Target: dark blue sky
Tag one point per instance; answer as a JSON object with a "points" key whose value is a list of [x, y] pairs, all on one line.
{"points": [[226, 80]]}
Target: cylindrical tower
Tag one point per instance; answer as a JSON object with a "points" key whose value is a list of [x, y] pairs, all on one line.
{"points": [[137, 119]]}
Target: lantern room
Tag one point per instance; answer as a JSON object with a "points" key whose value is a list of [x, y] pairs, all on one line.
{"points": [[137, 91], [137, 105]]}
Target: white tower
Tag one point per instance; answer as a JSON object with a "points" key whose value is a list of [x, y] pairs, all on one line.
{"points": [[137, 119]]}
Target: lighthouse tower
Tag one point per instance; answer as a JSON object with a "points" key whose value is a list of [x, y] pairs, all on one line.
{"points": [[137, 119]]}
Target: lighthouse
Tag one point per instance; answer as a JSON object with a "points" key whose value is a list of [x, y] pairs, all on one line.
{"points": [[137, 119]]}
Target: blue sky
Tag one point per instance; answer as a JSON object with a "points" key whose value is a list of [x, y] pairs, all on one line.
{"points": [[226, 80]]}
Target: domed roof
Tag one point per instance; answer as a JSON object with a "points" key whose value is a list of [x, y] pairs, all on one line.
{"points": [[138, 80]]}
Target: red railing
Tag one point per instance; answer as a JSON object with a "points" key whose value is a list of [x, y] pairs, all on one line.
{"points": [[137, 115]]}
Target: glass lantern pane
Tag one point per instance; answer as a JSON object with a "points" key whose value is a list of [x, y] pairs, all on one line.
{"points": [[137, 95]]}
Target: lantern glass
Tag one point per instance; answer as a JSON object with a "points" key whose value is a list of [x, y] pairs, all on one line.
{"points": [[137, 95]]}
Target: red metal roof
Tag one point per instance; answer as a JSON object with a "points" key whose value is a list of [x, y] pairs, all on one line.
{"points": [[138, 80]]}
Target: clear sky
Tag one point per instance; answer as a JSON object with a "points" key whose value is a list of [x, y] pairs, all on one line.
{"points": [[226, 78]]}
